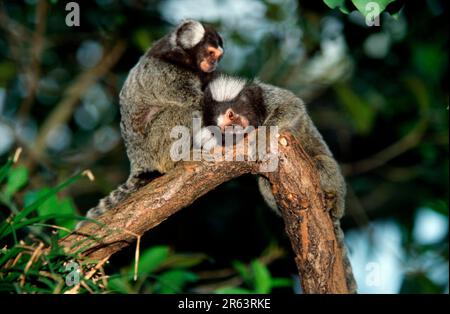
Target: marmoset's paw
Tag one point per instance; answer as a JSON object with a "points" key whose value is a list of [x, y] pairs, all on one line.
{"points": [[205, 139]]}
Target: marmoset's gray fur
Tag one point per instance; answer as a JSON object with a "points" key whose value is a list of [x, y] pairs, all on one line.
{"points": [[288, 112], [162, 91], [283, 109]]}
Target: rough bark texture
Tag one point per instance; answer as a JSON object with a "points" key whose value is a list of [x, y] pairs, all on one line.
{"points": [[296, 189]]}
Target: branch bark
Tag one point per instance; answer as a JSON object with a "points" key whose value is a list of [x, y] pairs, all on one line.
{"points": [[63, 110], [295, 185], [33, 71]]}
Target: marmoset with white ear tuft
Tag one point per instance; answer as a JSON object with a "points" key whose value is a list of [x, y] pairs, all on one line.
{"points": [[234, 102], [233, 105], [163, 90]]}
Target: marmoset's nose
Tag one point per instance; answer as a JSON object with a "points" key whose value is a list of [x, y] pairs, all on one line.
{"points": [[214, 52]]}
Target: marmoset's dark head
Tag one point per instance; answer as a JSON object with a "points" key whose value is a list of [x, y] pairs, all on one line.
{"points": [[191, 44], [232, 101]]}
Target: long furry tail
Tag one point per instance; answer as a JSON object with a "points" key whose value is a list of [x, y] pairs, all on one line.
{"points": [[351, 282], [266, 192], [124, 190]]}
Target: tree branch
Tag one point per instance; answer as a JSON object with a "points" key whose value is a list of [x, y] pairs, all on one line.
{"points": [[33, 72], [77, 88], [295, 186]]}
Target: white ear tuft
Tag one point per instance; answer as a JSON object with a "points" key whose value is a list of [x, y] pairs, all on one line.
{"points": [[225, 88], [191, 34]]}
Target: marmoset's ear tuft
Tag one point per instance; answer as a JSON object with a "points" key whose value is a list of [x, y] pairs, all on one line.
{"points": [[189, 33], [226, 88]]}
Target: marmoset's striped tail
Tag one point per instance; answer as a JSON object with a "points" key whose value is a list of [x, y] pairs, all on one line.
{"points": [[124, 190]]}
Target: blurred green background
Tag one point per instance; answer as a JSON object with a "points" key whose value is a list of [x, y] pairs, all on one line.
{"points": [[378, 95]]}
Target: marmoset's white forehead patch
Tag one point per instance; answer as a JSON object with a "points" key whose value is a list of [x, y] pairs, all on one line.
{"points": [[225, 88], [192, 34]]}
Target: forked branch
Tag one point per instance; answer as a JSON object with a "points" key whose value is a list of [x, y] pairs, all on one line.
{"points": [[295, 186]]}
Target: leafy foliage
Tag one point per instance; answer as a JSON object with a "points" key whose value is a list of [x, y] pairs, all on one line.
{"points": [[37, 264], [361, 5], [377, 94]]}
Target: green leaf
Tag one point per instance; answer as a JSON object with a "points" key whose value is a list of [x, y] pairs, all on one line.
{"points": [[281, 282], [418, 88], [173, 281], [334, 3], [50, 284], [66, 207], [183, 260], [7, 72], [49, 206], [6, 255], [262, 277], [438, 205], [4, 170], [63, 209], [233, 290], [414, 282], [38, 202], [340, 4], [152, 258], [142, 39], [361, 112], [243, 271], [119, 285], [361, 5], [17, 178], [26, 222], [430, 60]]}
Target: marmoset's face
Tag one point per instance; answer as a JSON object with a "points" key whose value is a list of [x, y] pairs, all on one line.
{"points": [[209, 51], [231, 118]]}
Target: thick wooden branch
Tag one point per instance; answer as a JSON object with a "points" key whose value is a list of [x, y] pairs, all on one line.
{"points": [[295, 185], [309, 226]]}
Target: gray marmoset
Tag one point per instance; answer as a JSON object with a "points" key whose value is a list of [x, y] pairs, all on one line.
{"points": [[288, 112], [162, 91], [229, 102], [232, 101]]}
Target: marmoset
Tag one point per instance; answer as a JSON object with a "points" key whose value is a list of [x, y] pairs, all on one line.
{"points": [[232, 101], [162, 90], [288, 112], [233, 105]]}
